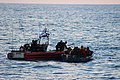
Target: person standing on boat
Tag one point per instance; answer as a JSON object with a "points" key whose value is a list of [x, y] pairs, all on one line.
{"points": [[65, 45], [22, 49], [61, 46]]}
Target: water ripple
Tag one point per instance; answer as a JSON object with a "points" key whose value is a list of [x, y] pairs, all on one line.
{"points": [[47, 66]]}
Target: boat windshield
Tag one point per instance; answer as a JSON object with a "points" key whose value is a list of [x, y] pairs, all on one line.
{"points": [[44, 40]]}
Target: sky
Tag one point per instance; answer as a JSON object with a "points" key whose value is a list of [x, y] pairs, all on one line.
{"points": [[62, 1]]}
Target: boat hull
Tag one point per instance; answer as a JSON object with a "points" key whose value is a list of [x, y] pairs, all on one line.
{"points": [[75, 58], [50, 55]]}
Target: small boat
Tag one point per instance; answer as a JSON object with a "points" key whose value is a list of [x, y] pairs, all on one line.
{"points": [[37, 50], [49, 55]]}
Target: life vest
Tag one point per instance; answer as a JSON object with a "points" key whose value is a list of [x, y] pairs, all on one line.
{"points": [[83, 52]]}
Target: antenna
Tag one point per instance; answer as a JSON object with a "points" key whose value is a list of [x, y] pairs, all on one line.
{"points": [[12, 37], [39, 31]]}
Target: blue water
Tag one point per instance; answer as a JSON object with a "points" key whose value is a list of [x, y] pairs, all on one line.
{"points": [[96, 26]]}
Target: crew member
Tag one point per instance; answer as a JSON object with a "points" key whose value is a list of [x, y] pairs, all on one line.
{"points": [[61, 46]]}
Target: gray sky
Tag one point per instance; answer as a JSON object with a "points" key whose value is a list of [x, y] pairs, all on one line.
{"points": [[63, 1]]}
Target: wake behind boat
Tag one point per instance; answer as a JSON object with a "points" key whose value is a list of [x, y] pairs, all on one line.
{"points": [[37, 50]]}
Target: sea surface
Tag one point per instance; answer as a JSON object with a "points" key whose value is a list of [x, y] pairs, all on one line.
{"points": [[95, 26]]}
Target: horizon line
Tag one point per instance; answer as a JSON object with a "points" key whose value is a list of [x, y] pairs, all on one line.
{"points": [[65, 3]]}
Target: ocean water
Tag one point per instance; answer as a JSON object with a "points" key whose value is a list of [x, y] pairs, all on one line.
{"points": [[96, 26]]}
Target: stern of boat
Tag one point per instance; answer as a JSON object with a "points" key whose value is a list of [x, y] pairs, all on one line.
{"points": [[15, 55]]}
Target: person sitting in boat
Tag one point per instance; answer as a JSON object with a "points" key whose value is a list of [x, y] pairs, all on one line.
{"points": [[75, 51], [61, 46], [85, 51], [89, 52], [82, 51], [65, 45]]}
